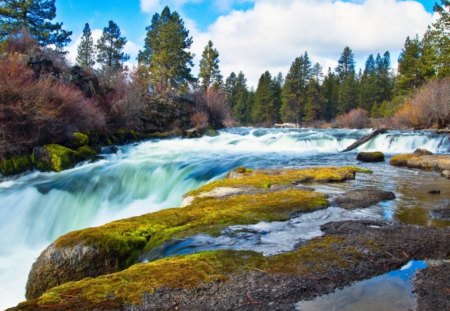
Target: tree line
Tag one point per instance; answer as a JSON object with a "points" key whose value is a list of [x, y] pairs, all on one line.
{"points": [[303, 95]]}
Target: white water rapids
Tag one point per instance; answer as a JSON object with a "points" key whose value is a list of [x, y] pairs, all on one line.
{"points": [[36, 208]]}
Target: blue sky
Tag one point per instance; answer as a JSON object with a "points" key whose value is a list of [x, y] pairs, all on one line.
{"points": [[250, 34]]}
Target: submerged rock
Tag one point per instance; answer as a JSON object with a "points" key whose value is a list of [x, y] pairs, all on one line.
{"points": [[441, 214], [362, 198], [370, 157], [117, 245]]}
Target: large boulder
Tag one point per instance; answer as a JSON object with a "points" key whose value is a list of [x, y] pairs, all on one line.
{"points": [[362, 198], [370, 157]]}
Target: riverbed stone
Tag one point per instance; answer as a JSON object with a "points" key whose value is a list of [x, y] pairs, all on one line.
{"points": [[370, 157], [446, 174], [362, 198]]}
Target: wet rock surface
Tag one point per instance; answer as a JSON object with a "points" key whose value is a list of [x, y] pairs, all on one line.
{"points": [[362, 198], [350, 251], [441, 213], [432, 288]]}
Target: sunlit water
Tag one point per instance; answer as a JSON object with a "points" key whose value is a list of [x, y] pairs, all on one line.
{"points": [[36, 208]]}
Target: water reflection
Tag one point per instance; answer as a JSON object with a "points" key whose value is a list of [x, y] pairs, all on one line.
{"points": [[388, 292]]}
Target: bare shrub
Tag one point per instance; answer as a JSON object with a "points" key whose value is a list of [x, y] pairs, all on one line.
{"points": [[357, 118], [128, 105], [34, 112], [429, 107], [200, 120], [20, 42], [215, 103]]}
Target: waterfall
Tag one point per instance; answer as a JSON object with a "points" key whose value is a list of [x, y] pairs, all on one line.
{"points": [[37, 207]]}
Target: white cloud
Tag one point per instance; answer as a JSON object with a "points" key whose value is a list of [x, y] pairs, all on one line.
{"points": [[274, 32]]}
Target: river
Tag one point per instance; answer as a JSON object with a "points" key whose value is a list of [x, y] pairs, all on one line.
{"points": [[37, 207]]}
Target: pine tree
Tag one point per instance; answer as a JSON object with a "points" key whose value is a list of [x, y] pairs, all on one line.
{"points": [[110, 49], [314, 101], [385, 78], [346, 64], [230, 88], [330, 95], [35, 17], [264, 111], [369, 88], [294, 90], [410, 73], [348, 90], [86, 56], [239, 98], [439, 37], [166, 52], [209, 68]]}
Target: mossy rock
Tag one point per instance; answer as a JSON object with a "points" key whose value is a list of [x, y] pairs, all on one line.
{"points": [[16, 165], [370, 157], [117, 245], [349, 251], [402, 159], [86, 153], [54, 157], [78, 140]]}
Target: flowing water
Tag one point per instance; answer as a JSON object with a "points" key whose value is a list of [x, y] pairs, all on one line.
{"points": [[38, 207]]}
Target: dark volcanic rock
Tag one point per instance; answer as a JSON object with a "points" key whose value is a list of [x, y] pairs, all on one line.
{"points": [[362, 198], [432, 288], [85, 81], [370, 157]]}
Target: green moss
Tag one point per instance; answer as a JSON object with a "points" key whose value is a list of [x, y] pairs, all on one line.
{"points": [[7, 167], [263, 179], [79, 139], [16, 165], [86, 153], [205, 215], [185, 272], [402, 159], [54, 157]]}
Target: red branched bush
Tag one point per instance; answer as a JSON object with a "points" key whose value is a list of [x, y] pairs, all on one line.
{"points": [[215, 103], [429, 107], [34, 112], [357, 118]]}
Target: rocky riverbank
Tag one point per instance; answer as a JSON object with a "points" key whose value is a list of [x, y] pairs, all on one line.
{"points": [[103, 261]]}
